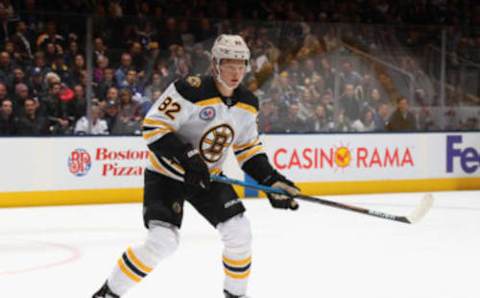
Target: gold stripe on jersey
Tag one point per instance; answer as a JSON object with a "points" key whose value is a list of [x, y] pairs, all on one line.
{"points": [[177, 167], [209, 101], [159, 168], [237, 263], [244, 156], [137, 262], [157, 123], [256, 141], [246, 107], [152, 133], [127, 271]]}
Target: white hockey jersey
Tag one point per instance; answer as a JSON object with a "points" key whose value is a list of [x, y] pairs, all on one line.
{"points": [[196, 112]]}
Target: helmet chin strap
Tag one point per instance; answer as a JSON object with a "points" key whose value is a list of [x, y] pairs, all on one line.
{"points": [[218, 77]]}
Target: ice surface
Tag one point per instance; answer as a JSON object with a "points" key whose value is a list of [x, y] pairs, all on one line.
{"points": [[315, 252]]}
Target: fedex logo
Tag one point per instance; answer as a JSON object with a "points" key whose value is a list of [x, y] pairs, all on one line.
{"points": [[469, 157]]}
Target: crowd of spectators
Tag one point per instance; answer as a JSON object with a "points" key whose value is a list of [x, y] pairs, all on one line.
{"points": [[140, 46]]}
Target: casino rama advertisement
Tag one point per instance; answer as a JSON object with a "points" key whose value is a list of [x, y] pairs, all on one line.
{"points": [[33, 165], [363, 157]]}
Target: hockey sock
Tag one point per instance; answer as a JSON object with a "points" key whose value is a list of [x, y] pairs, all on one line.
{"points": [[137, 262], [236, 236]]}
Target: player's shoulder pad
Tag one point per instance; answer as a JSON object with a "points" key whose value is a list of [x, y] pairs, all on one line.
{"points": [[195, 88], [246, 97]]}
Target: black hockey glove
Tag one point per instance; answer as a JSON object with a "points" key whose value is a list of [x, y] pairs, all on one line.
{"points": [[196, 170], [277, 180]]}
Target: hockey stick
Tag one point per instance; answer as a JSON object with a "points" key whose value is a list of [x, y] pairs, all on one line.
{"points": [[419, 212]]}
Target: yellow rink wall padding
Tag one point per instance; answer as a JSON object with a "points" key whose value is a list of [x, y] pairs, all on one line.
{"points": [[126, 195], [75, 197]]}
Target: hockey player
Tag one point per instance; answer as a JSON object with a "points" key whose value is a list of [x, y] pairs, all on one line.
{"points": [[188, 131]]}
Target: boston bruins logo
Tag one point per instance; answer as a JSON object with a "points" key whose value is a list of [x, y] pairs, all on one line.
{"points": [[215, 142], [194, 81]]}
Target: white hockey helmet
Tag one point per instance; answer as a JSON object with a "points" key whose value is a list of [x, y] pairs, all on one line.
{"points": [[228, 46]]}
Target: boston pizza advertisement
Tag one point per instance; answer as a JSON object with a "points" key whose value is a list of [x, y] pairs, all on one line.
{"points": [[73, 163]]}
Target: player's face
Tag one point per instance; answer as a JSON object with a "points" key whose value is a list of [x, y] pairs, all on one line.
{"points": [[232, 71]]}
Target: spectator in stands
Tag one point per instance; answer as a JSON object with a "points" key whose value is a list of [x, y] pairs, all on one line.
{"points": [[181, 60], [49, 103], [77, 106], [23, 40], [8, 121], [309, 71], [3, 91], [99, 48], [31, 123], [132, 83], [107, 82], [426, 122], [50, 36], [114, 125], [342, 124], [327, 101], [163, 69], [402, 119], [293, 123], [6, 12], [51, 51], [452, 121], [349, 76], [72, 51], [129, 112], [307, 104], [15, 57], [366, 123], [373, 99], [77, 68], [319, 122], [113, 95], [98, 126], [285, 88], [381, 116], [280, 105], [326, 72], [40, 63], [18, 76], [138, 56], [36, 82], [102, 64], [61, 69], [295, 72], [156, 84], [125, 66], [21, 94], [349, 103], [268, 120], [365, 92], [146, 32], [6, 66]]}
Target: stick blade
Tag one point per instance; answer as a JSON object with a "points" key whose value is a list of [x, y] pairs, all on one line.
{"points": [[422, 209]]}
